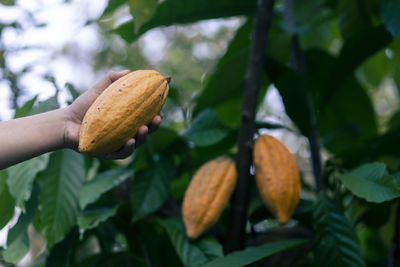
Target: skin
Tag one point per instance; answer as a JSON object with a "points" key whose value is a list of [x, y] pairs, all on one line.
{"points": [[24, 138]]}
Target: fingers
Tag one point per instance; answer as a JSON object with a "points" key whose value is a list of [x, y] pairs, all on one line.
{"points": [[121, 153], [141, 135], [110, 77], [155, 123]]}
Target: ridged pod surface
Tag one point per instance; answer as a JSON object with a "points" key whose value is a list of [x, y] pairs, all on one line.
{"points": [[207, 195], [277, 177], [116, 115]]}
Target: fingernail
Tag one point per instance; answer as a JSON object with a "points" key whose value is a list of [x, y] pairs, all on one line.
{"points": [[124, 71]]}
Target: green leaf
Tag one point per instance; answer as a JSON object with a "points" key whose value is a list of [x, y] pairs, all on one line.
{"points": [[184, 11], [371, 182], [390, 10], [91, 218], [25, 109], [60, 184], [191, 253], [293, 89], [6, 201], [142, 11], [206, 129], [252, 254], [21, 176], [112, 6], [102, 183], [338, 244], [149, 191], [227, 80], [341, 124], [354, 51], [60, 254], [7, 2], [72, 90], [44, 106], [17, 238]]}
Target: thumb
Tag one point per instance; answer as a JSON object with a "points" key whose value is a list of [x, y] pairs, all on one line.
{"points": [[108, 79]]}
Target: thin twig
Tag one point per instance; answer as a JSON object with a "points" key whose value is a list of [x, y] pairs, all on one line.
{"points": [[299, 65], [238, 216]]}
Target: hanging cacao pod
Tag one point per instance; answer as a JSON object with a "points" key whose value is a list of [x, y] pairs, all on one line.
{"points": [[207, 195], [277, 177]]}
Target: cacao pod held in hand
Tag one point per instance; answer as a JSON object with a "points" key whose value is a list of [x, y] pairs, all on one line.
{"points": [[116, 115]]}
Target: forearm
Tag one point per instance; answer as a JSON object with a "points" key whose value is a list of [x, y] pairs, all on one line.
{"points": [[28, 137]]}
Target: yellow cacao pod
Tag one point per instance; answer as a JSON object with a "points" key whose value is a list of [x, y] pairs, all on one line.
{"points": [[207, 195], [277, 177], [116, 115]]}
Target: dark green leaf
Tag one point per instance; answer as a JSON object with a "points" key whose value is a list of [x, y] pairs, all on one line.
{"points": [[60, 253], [338, 244], [25, 109], [150, 189], [183, 11], [227, 80], [341, 124], [350, 21], [142, 11], [17, 238], [293, 89], [390, 10], [72, 90], [92, 217], [21, 176], [371, 182], [161, 139], [252, 254], [191, 253], [102, 183], [112, 6], [375, 215], [354, 51], [6, 200], [60, 184], [206, 129]]}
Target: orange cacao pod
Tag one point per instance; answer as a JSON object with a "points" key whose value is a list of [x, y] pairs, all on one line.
{"points": [[277, 177], [116, 115], [207, 195]]}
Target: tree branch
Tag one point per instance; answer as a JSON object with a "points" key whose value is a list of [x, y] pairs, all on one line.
{"points": [[238, 216], [299, 65], [394, 250]]}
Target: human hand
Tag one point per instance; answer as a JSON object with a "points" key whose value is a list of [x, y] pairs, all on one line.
{"points": [[76, 111]]}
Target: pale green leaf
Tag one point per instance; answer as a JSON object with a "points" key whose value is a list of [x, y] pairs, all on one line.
{"points": [[25, 109], [17, 238], [60, 185], [102, 183], [371, 182], [206, 129], [21, 176]]}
